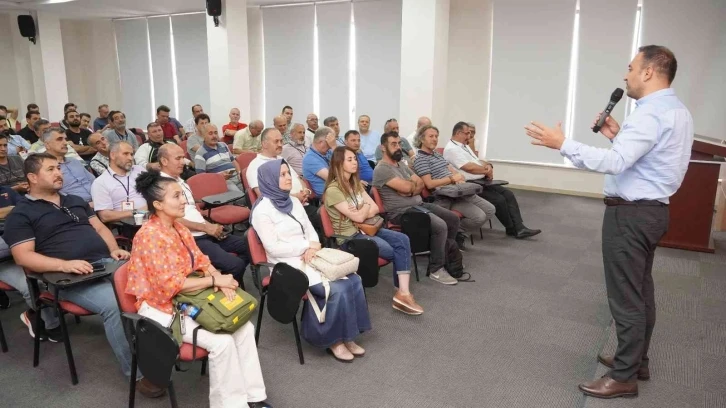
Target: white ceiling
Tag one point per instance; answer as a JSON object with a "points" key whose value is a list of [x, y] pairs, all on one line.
{"points": [[88, 9]]}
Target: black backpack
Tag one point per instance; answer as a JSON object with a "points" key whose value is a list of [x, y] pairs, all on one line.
{"points": [[455, 262]]}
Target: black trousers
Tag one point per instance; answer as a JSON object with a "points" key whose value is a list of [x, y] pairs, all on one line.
{"points": [[220, 253], [506, 206], [630, 234]]}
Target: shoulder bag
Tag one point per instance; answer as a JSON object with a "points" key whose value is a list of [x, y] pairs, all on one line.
{"points": [[333, 264]]}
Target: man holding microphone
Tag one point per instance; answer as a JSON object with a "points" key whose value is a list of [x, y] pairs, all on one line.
{"points": [[645, 166]]}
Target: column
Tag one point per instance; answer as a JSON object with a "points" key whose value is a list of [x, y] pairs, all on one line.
{"points": [[424, 60], [229, 85], [48, 67]]}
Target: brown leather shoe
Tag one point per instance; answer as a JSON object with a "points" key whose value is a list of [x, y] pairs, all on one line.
{"points": [[606, 387], [607, 361], [149, 390]]}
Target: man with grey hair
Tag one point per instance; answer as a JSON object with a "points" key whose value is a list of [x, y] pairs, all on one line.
{"points": [[114, 191], [215, 157], [118, 131], [472, 138], [76, 179], [317, 160], [422, 121], [312, 122], [332, 123], [101, 161], [294, 150], [40, 127], [247, 140], [280, 123]]}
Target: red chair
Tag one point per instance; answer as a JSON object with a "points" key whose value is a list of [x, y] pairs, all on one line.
{"points": [[259, 260], [127, 304], [251, 195], [183, 145], [207, 184], [3, 343], [440, 150], [244, 159]]}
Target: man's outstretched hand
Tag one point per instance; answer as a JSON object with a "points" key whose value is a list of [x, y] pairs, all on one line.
{"points": [[545, 136]]}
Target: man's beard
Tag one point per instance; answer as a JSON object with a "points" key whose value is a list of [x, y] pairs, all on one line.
{"points": [[75, 123], [396, 156]]}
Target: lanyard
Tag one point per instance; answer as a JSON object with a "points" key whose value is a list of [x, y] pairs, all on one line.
{"points": [[466, 149], [126, 187], [298, 223], [302, 152], [187, 190], [123, 137]]}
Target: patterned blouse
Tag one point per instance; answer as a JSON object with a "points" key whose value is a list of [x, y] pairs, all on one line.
{"points": [[160, 262]]}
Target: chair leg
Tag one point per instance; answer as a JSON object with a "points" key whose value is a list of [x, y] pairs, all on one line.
{"points": [[490, 224], [78, 319], [297, 340], [67, 344], [259, 316], [471, 237], [204, 366], [3, 343], [36, 341], [172, 395], [415, 267], [132, 381]]}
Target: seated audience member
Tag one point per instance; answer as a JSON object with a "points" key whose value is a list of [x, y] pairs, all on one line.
{"points": [[215, 157], [164, 254], [101, 122], [369, 138], [86, 122], [14, 276], [27, 132], [422, 121], [11, 169], [247, 140], [472, 138], [348, 203], [17, 146], [54, 232], [280, 123], [458, 153], [118, 131], [436, 172], [191, 126], [76, 179], [114, 193], [400, 191], [209, 237], [147, 156], [294, 150], [365, 172], [287, 113], [100, 162], [332, 123], [391, 126], [39, 127], [197, 139], [316, 161], [68, 106], [289, 237], [171, 128], [10, 118], [234, 125], [312, 122], [77, 136]]}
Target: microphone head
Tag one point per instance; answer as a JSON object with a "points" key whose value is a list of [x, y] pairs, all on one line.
{"points": [[617, 95]]}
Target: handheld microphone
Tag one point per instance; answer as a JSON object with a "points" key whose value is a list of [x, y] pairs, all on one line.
{"points": [[614, 99]]}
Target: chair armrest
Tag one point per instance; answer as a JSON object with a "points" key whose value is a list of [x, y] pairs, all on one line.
{"points": [[218, 200], [65, 280]]}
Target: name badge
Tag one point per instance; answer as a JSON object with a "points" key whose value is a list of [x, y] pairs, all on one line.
{"points": [[127, 206]]}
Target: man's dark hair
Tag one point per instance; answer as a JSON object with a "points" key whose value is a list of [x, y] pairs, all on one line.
{"points": [[151, 125], [112, 114], [86, 115], [162, 108], [103, 105], [33, 107], [388, 135], [200, 117], [350, 132], [39, 123], [65, 115], [31, 113], [3, 136], [194, 106], [35, 161], [459, 126], [662, 59], [329, 120], [286, 107], [3, 107], [68, 105]]}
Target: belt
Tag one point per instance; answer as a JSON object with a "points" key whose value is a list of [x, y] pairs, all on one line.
{"points": [[611, 201]]}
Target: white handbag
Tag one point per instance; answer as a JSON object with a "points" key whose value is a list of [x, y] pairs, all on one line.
{"points": [[333, 264]]}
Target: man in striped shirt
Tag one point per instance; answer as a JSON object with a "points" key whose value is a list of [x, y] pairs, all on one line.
{"points": [[215, 157]]}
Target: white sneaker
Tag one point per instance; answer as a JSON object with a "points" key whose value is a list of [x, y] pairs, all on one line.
{"points": [[442, 276]]}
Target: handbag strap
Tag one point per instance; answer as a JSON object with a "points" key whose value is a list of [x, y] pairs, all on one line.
{"points": [[320, 314]]}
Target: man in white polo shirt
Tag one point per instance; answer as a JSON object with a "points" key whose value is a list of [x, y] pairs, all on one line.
{"points": [[114, 191]]}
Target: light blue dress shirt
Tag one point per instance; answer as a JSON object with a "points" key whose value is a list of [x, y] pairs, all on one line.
{"points": [[649, 157], [76, 179], [15, 141], [369, 143]]}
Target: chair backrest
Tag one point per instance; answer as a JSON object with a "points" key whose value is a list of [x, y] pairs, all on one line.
{"points": [[312, 192], [251, 196], [156, 352], [183, 145], [126, 302], [440, 150], [376, 195], [257, 251], [327, 222], [417, 226], [367, 253], [244, 159], [287, 287], [206, 184]]}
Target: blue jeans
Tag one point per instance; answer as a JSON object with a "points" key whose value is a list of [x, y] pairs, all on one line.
{"points": [[99, 297], [14, 276], [392, 246]]}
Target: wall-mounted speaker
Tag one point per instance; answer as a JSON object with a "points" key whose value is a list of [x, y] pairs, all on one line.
{"points": [[214, 9], [26, 24]]}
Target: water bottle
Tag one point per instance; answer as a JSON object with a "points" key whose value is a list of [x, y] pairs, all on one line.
{"points": [[190, 310]]}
